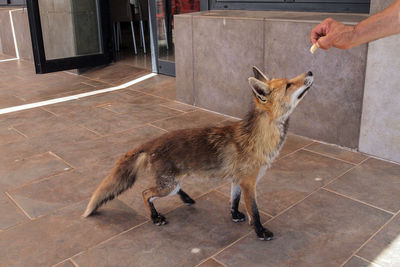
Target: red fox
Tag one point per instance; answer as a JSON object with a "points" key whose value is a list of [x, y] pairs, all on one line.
{"points": [[241, 151]]}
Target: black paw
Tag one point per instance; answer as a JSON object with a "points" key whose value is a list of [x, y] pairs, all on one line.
{"points": [[237, 216], [265, 234], [189, 201], [159, 220]]}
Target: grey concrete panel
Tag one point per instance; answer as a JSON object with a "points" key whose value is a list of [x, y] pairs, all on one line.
{"points": [[380, 124], [184, 59], [224, 52], [331, 111]]}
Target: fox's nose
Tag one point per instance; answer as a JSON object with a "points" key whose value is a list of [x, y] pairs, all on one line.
{"points": [[309, 73]]}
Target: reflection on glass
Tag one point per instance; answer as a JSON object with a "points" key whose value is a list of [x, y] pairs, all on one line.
{"points": [[166, 9], [70, 28]]}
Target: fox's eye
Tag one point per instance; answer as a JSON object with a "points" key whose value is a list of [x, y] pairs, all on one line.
{"points": [[288, 85]]}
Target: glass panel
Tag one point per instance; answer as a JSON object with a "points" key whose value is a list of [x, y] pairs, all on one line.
{"points": [[70, 28], [166, 9]]}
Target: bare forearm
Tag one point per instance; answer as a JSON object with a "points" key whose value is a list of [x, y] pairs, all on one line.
{"points": [[378, 26]]}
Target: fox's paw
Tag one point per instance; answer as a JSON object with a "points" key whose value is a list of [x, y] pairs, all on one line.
{"points": [[237, 216], [159, 220], [265, 234], [189, 202]]}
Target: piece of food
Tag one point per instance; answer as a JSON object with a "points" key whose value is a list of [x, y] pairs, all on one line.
{"points": [[313, 48]]}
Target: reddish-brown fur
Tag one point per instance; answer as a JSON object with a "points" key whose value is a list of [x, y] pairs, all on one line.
{"points": [[237, 151]]}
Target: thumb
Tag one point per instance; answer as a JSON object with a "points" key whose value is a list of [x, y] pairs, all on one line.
{"points": [[325, 42]]}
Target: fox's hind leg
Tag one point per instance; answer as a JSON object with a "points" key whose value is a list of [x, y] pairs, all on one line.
{"points": [[237, 216], [164, 188], [185, 198]]}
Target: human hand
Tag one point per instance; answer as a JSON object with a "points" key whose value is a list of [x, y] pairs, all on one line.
{"points": [[332, 33]]}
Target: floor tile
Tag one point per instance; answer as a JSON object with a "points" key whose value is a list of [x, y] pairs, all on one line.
{"points": [[384, 248], [179, 106], [110, 148], [10, 213], [193, 119], [323, 230], [19, 150], [375, 182], [293, 142], [10, 101], [66, 263], [30, 169], [45, 196], [336, 152], [9, 135], [60, 235], [192, 234], [358, 262], [54, 124], [20, 117], [144, 114], [293, 178], [211, 263]]}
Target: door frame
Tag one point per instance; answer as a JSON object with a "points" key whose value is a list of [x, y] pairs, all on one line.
{"points": [[162, 66], [42, 65]]}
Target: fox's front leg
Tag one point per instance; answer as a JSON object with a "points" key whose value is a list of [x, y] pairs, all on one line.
{"points": [[248, 187], [237, 216]]}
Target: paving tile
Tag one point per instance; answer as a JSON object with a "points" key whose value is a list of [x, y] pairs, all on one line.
{"points": [[193, 119], [116, 74], [165, 86], [336, 152], [179, 106], [31, 115], [45, 196], [384, 248], [27, 170], [323, 230], [62, 234], [358, 262], [53, 124], [146, 114], [66, 263], [211, 263], [109, 149], [10, 101], [19, 150], [192, 234], [374, 181], [293, 142], [293, 178], [9, 135], [10, 213]]}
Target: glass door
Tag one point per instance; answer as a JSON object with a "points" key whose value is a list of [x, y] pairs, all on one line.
{"points": [[69, 34], [162, 24]]}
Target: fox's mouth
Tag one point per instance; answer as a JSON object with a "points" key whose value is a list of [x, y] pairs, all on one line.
{"points": [[308, 82]]}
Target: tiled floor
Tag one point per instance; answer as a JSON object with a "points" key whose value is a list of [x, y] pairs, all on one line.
{"points": [[327, 206]]}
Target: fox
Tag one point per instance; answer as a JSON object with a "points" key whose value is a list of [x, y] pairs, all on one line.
{"points": [[241, 151]]}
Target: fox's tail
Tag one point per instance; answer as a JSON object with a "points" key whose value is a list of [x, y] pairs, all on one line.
{"points": [[121, 178]]}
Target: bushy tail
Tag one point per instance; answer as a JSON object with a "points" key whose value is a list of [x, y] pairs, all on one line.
{"points": [[120, 179]]}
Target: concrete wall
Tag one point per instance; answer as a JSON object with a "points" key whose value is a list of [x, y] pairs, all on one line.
{"points": [[215, 52], [380, 124]]}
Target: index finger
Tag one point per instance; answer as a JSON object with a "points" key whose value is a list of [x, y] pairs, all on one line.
{"points": [[316, 33]]}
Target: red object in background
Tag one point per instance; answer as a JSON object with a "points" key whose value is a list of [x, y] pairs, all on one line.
{"points": [[185, 6]]}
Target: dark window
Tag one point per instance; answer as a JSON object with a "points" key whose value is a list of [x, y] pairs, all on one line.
{"points": [[347, 6]]}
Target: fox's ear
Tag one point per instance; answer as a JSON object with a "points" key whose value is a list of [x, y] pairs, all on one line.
{"points": [[260, 89], [259, 75]]}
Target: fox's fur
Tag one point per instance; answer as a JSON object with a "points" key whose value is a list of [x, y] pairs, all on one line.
{"points": [[241, 151]]}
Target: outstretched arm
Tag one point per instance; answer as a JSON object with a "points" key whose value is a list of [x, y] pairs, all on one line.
{"points": [[332, 33]]}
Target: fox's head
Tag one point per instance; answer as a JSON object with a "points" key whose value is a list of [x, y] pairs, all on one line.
{"points": [[279, 97]]}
